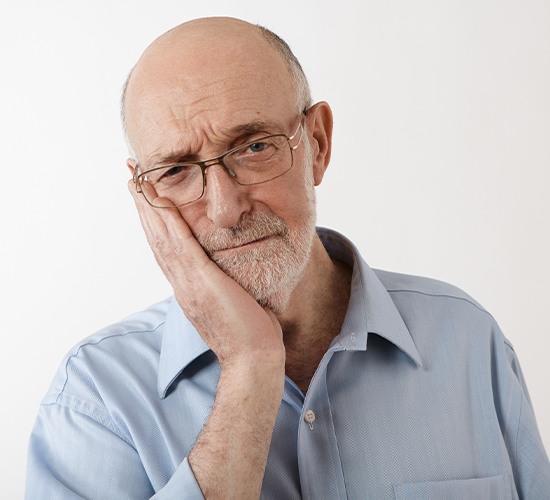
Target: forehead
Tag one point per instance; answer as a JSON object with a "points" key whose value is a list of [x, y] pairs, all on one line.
{"points": [[195, 93]]}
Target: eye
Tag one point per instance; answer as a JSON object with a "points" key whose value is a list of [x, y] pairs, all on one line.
{"points": [[257, 147], [174, 174], [175, 170], [257, 153]]}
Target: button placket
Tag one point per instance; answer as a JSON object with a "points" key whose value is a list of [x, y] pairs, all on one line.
{"points": [[317, 445]]}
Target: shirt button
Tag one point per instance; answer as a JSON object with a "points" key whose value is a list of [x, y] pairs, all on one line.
{"points": [[309, 417]]}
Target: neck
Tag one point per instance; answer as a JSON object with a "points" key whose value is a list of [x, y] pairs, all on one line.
{"points": [[315, 314]]}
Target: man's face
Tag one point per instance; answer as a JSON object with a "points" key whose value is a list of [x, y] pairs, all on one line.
{"points": [[196, 102]]}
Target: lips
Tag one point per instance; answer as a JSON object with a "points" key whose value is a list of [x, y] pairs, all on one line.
{"points": [[251, 230], [243, 244]]}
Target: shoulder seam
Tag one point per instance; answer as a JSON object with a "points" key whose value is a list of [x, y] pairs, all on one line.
{"points": [[96, 343], [95, 413], [509, 345], [443, 295]]}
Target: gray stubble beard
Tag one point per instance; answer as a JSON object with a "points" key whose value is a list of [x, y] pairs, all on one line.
{"points": [[271, 274]]}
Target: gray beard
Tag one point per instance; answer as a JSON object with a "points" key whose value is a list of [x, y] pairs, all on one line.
{"points": [[270, 272]]}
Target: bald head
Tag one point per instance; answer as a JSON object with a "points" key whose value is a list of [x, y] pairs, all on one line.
{"points": [[202, 51]]}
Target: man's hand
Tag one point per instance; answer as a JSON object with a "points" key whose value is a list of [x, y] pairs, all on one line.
{"points": [[231, 322], [229, 456]]}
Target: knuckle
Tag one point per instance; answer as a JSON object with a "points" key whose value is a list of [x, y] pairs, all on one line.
{"points": [[159, 245]]}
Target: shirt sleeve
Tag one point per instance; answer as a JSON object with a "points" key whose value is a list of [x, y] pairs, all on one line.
{"points": [[75, 454], [182, 485], [530, 463]]}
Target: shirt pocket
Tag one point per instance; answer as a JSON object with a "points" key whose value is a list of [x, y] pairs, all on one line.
{"points": [[485, 488]]}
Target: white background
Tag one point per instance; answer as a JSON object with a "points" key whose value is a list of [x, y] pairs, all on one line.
{"points": [[440, 166]]}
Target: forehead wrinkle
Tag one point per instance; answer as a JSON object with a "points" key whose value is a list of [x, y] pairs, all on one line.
{"points": [[185, 116], [190, 77], [179, 153], [182, 86]]}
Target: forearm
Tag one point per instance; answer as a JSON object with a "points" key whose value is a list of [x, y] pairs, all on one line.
{"points": [[230, 455]]}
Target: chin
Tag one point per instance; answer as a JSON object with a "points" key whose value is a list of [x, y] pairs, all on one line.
{"points": [[269, 274]]}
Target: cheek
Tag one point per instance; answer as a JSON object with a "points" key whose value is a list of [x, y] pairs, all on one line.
{"points": [[300, 188], [291, 196], [194, 216], [296, 205]]}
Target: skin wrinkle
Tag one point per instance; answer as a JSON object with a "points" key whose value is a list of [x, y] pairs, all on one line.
{"points": [[227, 140], [199, 135]]}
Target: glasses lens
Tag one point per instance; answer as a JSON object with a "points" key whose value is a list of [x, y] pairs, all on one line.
{"points": [[261, 161], [173, 185]]}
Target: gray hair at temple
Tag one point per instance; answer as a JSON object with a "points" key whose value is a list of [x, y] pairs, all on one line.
{"points": [[299, 79]]}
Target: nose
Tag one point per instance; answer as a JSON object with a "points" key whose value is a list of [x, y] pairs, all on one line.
{"points": [[226, 201]]}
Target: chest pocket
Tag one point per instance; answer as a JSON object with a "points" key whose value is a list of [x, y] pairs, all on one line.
{"points": [[486, 488]]}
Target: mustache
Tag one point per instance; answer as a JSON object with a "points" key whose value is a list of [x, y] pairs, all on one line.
{"points": [[249, 228]]}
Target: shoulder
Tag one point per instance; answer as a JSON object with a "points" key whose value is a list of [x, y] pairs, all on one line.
{"points": [[130, 334], [433, 309], [124, 350], [447, 324], [406, 284]]}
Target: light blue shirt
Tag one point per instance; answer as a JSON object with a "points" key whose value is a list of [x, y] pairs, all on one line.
{"points": [[419, 396]]}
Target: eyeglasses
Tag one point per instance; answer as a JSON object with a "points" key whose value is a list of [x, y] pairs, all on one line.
{"points": [[255, 162]]}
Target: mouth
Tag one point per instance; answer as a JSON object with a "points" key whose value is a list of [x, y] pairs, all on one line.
{"points": [[244, 245]]}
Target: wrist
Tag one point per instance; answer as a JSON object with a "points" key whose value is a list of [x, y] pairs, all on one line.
{"points": [[260, 377]]}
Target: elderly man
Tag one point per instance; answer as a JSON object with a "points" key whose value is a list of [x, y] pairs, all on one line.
{"points": [[283, 367]]}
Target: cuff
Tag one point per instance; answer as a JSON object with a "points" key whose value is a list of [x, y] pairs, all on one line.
{"points": [[181, 485]]}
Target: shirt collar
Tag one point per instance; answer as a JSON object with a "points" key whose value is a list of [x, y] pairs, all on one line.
{"points": [[181, 344], [370, 310]]}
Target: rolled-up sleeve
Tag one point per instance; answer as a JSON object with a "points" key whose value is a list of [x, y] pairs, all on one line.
{"points": [[181, 485]]}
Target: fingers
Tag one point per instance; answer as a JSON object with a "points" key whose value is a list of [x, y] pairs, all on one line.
{"points": [[152, 224], [168, 235]]}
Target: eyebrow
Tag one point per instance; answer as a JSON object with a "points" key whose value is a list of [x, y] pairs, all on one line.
{"points": [[234, 133]]}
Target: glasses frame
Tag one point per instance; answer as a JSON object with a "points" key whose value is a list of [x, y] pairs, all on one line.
{"points": [[138, 176]]}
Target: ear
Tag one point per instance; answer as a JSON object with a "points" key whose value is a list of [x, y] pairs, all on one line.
{"points": [[131, 164], [319, 125]]}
